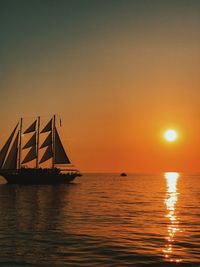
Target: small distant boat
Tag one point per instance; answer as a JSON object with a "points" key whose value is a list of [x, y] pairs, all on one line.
{"points": [[12, 168], [123, 174]]}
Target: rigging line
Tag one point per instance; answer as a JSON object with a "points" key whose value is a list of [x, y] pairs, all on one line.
{"points": [[58, 120]]}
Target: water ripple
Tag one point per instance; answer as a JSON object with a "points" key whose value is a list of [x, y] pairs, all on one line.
{"points": [[102, 220]]}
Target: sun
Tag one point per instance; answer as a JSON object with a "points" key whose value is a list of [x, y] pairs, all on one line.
{"points": [[171, 135]]}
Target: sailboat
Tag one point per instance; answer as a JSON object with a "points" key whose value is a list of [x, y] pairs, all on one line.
{"points": [[13, 168]]}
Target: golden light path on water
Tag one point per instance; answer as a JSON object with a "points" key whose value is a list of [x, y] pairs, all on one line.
{"points": [[173, 226]]}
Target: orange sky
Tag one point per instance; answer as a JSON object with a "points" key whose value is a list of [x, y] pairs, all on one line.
{"points": [[119, 73]]}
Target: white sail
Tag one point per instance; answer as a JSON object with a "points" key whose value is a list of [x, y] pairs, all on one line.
{"points": [[30, 156], [31, 142], [11, 160], [47, 154], [48, 127], [47, 141], [31, 128], [5, 148], [60, 156]]}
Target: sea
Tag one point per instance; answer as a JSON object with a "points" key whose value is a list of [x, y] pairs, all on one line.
{"points": [[103, 220]]}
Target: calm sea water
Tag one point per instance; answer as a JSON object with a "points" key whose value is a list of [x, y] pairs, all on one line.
{"points": [[103, 220]]}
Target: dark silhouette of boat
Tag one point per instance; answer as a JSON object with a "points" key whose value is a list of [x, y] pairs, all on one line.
{"points": [[123, 174], [12, 168]]}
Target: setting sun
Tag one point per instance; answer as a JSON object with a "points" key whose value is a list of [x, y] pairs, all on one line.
{"points": [[170, 135]]}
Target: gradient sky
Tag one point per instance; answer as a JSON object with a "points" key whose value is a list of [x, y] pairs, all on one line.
{"points": [[118, 72]]}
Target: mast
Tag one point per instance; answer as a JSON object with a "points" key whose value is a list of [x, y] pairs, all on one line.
{"points": [[53, 141], [37, 144], [20, 143]]}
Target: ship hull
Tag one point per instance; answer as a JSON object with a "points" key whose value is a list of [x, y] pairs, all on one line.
{"points": [[34, 178]]}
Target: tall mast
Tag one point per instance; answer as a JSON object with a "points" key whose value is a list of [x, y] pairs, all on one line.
{"points": [[53, 141], [37, 144], [20, 143]]}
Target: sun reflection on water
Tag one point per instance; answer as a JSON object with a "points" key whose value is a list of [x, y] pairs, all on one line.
{"points": [[173, 226]]}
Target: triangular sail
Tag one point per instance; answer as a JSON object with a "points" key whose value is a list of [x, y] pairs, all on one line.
{"points": [[31, 128], [47, 141], [31, 142], [60, 156], [48, 127], [30, 156], [11, 161], [47, 154], [5, 148]]}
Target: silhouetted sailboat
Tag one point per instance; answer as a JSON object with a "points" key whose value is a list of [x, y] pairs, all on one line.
{"points": [[12, 168], [123, 174]]}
